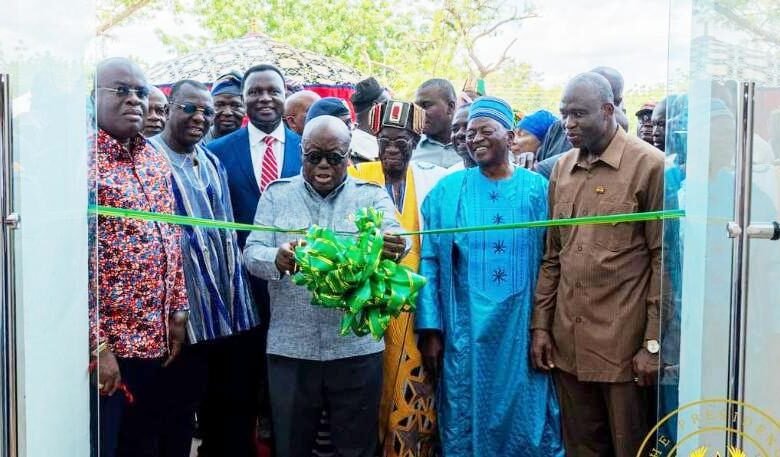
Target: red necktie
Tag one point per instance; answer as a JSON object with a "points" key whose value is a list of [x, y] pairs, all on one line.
{"points": [[269, 170]]}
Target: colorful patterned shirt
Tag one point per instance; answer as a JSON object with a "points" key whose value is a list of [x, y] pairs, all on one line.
{"points": [[139, 280]]}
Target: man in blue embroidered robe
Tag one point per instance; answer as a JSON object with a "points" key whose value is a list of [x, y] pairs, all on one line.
{"points": [[219, 371], [473, 316]]}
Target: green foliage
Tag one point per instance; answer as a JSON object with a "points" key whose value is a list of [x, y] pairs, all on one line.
{"points": [[400, 44], [367, 34]]}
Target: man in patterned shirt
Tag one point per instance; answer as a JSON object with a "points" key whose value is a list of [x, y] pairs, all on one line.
{"points": [[138, 304]]}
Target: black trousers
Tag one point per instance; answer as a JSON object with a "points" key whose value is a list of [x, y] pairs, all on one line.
{"points": [[349, 389], [229, 407], [159, 421]]}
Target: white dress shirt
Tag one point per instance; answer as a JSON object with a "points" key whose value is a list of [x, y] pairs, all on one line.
{"points": [[257, 149]]}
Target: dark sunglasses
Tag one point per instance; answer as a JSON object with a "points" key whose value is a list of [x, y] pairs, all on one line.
{"points": [[191, 108], [125, 91], [333, 158]]}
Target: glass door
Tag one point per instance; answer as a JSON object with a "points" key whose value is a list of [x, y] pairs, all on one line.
{"points": [[722, 306], [44, 353]]}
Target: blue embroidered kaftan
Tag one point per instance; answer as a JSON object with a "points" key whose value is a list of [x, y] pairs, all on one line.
{"points": [[491, 401]]}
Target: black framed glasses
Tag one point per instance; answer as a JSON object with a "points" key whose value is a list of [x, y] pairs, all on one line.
{"points": [[333, 158], [401, 144], [125, 91], [191, 108]]}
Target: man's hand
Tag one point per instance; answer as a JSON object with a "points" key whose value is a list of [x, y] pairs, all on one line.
{"points": [[177, 330], [109, 376], [285, 257], [541, 350], [432, 350], [646, 366], [393, 248]]}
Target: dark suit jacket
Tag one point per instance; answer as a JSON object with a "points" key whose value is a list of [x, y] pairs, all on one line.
{"points": [[233, 151]]}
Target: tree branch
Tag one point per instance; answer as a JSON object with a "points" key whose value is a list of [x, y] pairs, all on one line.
{"points": [[122, 15], [514, 18], [474, 59], [502, 59], [739, 21]]}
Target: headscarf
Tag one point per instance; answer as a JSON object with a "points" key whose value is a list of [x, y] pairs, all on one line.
{"points": [[398, 114], [538, 123], [494, 108]]}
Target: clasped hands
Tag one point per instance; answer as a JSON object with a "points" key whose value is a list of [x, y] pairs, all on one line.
{"points": [[393, 249]]}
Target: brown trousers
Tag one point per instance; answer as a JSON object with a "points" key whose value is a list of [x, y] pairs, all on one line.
{"points": [[602, 419]]}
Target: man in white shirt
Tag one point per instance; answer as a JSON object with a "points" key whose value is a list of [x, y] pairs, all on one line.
{"points": [[254, 156]]}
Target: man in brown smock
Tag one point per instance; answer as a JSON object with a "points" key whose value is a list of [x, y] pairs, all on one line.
{"points": [[596, 308]]}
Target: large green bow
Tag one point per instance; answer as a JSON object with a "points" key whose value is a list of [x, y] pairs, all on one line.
{"points": [[347, 273]]}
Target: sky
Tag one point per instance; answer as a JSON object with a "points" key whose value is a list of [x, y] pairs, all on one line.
{"points": [[567, 38]]}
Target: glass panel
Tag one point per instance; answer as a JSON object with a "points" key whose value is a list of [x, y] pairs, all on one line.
{"points": [[717, 45], [763, 304], [43, 46]]}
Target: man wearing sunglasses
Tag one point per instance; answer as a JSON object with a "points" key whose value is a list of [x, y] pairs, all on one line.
{"points": [[213, 372], [309, 365], [138, 311]]}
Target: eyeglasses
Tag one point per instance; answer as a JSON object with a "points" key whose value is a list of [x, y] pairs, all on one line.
{"points": [[191, 108], [334, 159], [401, 144], [125, 91]]}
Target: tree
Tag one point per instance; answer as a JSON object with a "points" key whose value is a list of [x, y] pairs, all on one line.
{"points": [[473, 21], [760, 18], [111, 13], [401, 44], [367, 34]]}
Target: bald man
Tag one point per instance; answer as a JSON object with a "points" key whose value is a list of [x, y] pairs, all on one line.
{"points": [[296, 107], [138, 311], [309, 364], [615, 80], [155, 115], [596, 309]]}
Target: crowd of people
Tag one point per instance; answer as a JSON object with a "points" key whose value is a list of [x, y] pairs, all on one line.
{"points": [[528, 342]]}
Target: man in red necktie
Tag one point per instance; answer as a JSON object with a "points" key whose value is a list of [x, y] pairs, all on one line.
{"points": [[254, 156]]}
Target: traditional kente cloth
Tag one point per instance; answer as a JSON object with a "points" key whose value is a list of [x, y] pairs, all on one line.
{"points": [[407, 417], [490, 401], [219, 299]]}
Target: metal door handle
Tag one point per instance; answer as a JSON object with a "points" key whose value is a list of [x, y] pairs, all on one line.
{"points": [[12, 221], [733, 229], [768, 231]]}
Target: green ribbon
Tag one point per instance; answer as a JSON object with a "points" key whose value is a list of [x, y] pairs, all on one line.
{"points": [[345, 271], [349, 274], [199, 222]]}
